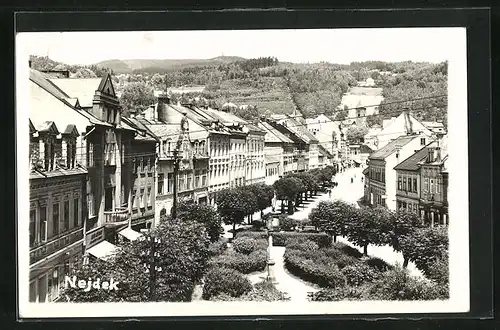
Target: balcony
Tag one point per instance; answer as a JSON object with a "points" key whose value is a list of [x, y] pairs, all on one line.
{"points": [[55, 245], [119, 216]]}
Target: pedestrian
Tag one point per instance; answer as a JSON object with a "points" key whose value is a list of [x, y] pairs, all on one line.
{"points": [[352, 180], [330, 193]]}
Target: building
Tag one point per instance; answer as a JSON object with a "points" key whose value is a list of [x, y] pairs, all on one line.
{"points": [[435, 127], [380, 186], [107, 144], [327, 132], [306, 144], [192, 140], [359, 153], [392, 128], [360, 98], [144, 176], [278, 153], [408, 184], [79, 148], [434, 188]]}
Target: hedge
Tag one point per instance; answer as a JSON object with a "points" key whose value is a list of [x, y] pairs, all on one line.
{"points": [[217, 248], [338, 294], [360, 273], [298, 263], [252, 234], [378, 264], [225, 281], [283, 239], [255, 261], [262, 291], [245, 245], [347, 249]]}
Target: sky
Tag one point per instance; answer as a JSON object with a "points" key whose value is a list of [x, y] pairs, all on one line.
{"points": [[340, 46]]}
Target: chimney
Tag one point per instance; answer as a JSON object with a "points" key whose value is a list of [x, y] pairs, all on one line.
{"points": [[159, 114]]}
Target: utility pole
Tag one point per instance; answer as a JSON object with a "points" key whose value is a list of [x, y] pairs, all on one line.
{"points": [[176, 171]]}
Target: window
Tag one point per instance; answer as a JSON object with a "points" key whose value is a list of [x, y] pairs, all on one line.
{"points": [[53, 289], [76, 212], [55, 219], [422, 141], [43, 223], [404, 183], [160, 183], [149, 196], [204, 178], [123, 152], [170, 182], [65, 226], [438, 184], [188, 182], [426, 184], [431, 189], [69, 154], [180, 182], [42, 288], [134, 193], [197, 179], [399, 183], [141, 198], [414, 184], [383, 176], [90, 204], [32, 227], [409, 184], [90, 152]]}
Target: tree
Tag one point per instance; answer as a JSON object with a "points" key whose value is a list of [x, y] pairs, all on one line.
{"points": [[287, 189], [402, 223], [181, 257], [204, 214], [356, 134], [264, 195], [368, 226], [330, 217], [372, 120], [425, 247], [84, 73], [136, 97], [234, 204]]}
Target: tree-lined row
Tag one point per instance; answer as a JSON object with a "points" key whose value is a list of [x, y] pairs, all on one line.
{"points": [[294, 188], [425, 246]]}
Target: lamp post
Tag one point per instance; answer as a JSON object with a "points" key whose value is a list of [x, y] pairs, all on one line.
{"points": [[176, 170], [270, 262], [150, 266]]}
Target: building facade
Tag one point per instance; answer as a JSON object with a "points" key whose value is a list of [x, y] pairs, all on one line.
{"points": [[381, 175]]}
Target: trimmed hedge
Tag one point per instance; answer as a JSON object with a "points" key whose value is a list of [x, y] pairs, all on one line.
{"points": [[338, 294], [300, 264], [262, 291], [286, 223], [360, 273], [217, 248], [283, 239], [245, 245], [252, 234], [255, 261], [378, 264], [225, 281], [347, 249]]}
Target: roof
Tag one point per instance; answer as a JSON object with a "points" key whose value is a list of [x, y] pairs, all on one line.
{"points": [[324, 151], [392, 146], [144, 134], [411, 163], [366, 171], [57, 172], [433, 124], [164, 131], [81, 88], [183, 90], [299, 129], [272, 134]]}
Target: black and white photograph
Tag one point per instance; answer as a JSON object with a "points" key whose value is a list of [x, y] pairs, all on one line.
{"points": [[242, 172]]}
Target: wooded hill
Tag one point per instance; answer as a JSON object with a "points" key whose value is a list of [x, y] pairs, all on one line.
{"points": [[273, 87]]}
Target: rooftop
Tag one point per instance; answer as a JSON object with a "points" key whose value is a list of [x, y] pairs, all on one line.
{"points": [[81, 88], [392, 146], [411, 163]]}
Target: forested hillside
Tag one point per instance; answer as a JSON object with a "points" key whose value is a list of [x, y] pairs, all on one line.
{"points": [[271, 87]]}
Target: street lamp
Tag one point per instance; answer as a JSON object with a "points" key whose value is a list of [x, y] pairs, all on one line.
{"points": [[150, 266], [270, 261]]}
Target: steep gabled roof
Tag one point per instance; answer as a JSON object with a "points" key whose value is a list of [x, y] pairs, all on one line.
{"points": [[392, 146], [411, 163], [82, 88], [272, 134]]}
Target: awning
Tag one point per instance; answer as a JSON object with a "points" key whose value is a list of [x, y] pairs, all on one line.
{"points": [[103, 250], [130, 234]]}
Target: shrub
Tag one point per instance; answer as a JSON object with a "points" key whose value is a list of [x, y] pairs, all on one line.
{"points": [[347, 249], [262, 291], [439, 271], [282, 239], [303, 245], [227, 281], [338, 294], [328, 275], [258, 225], [244, 245], [253, 234], [286, 223], [378, 264], [397, 284], [255, 261], [359, 273], [217, 248]]}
